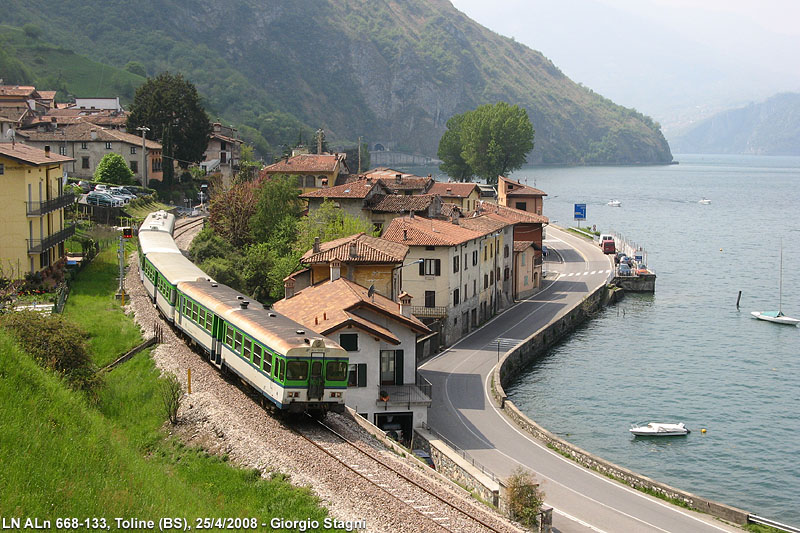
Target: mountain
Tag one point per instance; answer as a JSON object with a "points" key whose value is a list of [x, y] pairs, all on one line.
{"points": [[771, 127], [393, 71]]}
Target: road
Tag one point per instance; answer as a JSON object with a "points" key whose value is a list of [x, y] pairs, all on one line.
{"points": [[465, 414]]}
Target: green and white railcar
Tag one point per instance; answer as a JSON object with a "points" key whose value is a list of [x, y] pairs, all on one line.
{"points": [[163, 272]]}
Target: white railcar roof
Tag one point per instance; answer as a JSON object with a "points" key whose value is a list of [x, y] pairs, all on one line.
{"points": [[175, 267], [157, 241], [158, 221]]}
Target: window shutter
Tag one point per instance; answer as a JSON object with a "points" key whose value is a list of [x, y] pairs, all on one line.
{"points": [[362, 374], [398, 367], [421, 266], [438, 267]]}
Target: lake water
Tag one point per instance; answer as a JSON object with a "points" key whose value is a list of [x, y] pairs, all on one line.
{"points": [[686, 354]]}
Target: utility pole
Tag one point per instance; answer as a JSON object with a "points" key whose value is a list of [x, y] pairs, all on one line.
{"points": [[121, 253], [359, 154], [144, 129]]}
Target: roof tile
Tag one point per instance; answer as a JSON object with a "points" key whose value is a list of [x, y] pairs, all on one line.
{"points": [[368, 250]]}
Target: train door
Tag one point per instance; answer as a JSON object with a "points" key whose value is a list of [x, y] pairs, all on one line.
{"points": [[217, 332], [316, 382]]}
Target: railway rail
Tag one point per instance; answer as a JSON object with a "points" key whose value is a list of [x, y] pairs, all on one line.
{"points": [[185, 225], [431, 502]]}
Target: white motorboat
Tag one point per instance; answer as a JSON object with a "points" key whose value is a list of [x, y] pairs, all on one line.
{"points": [[704, 201], [658, 429], [615, 203], [777, 316]]}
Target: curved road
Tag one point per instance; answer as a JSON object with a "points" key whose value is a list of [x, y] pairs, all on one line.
{"points": [[464, 412]]}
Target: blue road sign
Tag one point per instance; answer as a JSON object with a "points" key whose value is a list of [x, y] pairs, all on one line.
{"points": [[580, 211]]}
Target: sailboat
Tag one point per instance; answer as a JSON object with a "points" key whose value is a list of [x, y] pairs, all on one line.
{"points": [[777, 316]]}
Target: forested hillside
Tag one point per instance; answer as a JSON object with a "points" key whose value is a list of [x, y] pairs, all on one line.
{"points": [[771, 127], [392, 71]]}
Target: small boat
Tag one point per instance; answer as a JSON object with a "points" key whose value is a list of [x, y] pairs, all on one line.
{"points": [[777, 316], [615, 203], [704, 201], [658, 429]]}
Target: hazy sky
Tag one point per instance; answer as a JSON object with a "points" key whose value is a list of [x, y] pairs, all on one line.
{"points": [[676, 60]]}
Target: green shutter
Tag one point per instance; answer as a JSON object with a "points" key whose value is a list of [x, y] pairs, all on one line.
{"points": [[398, 366], [362, 374]]}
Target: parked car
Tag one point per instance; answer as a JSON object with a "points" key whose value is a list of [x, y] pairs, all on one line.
{"points": [[425, 457], [102, 199], [101, 187], [84, 185], [608, 246], [121, 192], [625, 269]]}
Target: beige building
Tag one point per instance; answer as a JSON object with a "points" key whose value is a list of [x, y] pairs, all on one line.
{"points": [[223, 152], [514, 194], [32, 227], [464, 195], [313, 171]]}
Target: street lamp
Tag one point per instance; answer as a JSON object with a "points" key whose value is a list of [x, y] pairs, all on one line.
{"points": [[144, 129], [399, 287]]}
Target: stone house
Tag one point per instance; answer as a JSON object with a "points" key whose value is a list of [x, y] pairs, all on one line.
{"points": [[313, 171], [223, 153], [514, 194]]}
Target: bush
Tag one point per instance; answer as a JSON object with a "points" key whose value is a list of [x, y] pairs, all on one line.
{"points": [[56, 344], [171, 395], [524, 498], [113, 169]]}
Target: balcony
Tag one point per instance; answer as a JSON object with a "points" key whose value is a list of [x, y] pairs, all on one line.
{"points": [[37, 246], [405, 395], [37, 209], [421, 311]]}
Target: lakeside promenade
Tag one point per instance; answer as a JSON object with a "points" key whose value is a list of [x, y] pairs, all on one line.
{"points": [[463, 410]]}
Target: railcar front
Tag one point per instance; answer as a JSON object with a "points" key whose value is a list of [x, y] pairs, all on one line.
{"points": [[159, 221]]}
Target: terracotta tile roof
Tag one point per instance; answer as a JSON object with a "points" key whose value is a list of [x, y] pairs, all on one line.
{"points": [[401, 203], [408, 184], [521, 190], [367, 250], [522, 245], [511, 214], [448, 209], [387, 173], [29, 154], [17, 90], [329, 306], [303, 163], [225, 138], [484, 224], [355, 189], [420, 231], [47, 95], [82, 131], [452, 190]]}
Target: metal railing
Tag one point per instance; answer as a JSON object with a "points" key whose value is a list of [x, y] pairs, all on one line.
{"points": [[37, 246], [35, 209], [407, 395], [428, 312], [772, 523], [466, 456]]}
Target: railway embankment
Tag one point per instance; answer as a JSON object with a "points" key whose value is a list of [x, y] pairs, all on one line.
{"points": [[534, 347]]}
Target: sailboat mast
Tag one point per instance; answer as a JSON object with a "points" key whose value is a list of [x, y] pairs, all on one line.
{"points": [[780, 284]]}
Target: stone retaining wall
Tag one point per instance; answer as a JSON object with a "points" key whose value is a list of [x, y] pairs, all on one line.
{"points": [[516, 360]]}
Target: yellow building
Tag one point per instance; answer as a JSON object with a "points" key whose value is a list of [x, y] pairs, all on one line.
{"points": [[32, 227], [464, 195]]}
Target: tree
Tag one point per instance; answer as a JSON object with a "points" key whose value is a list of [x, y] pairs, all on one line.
{"points": [[134, 67], [33, 31], [170, 106], [248, 166], [329, 222], [113, 169], [277, 199], [494, 140], [524, 498], [230, 213]]}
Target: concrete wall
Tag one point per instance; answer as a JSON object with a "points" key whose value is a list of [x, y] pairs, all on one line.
{"points": [[534, 346]]}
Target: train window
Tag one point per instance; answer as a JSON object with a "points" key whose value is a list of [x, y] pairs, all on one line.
{"points": [[201, 317], [267, 361], [297, 370], [237, 342], [209, 321], [229, 336], [257, 355], [194, 312], [336, 371], [281, 367], [246, 352]]}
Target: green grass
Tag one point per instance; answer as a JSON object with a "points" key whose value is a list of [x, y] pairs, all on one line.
{"points": [[92, 304], [141, 211], [758, 528]]}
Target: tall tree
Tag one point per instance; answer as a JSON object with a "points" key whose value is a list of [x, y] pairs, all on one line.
{"points": [[329, 222], [230, 213], [113, 169], [277, 200], [493, 140], [170, 106]]}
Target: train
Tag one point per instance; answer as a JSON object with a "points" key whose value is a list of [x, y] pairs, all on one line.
{"points": [[295, 369]]}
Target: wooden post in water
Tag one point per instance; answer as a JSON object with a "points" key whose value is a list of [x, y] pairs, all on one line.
{"points": [[737, 299]]}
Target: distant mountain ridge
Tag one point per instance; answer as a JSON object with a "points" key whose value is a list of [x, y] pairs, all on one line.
{"points": [[771, 127], [389, 70]]}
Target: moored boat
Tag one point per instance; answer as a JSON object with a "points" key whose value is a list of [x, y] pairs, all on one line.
{"points": [[659, 429], [614, 203]]}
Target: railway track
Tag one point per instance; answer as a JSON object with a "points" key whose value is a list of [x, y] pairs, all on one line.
{"points": [[186, 225], [431, 502]]}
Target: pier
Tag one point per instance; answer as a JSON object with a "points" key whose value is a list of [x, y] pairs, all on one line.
{"points": [[642, 277]]}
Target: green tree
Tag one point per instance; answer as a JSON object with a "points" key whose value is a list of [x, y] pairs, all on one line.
{"points": [[329, 222], [277, 200], [33, 31], [134, 67], [524, 498], [494, 140], [113, 169], [248, 166], [170, 106], [450, 147], [230, 213]]}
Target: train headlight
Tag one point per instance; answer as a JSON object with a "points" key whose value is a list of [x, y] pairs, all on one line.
{"points": [[336, 394]]}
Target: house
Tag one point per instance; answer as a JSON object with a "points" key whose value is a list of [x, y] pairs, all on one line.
{"points": [[380, 337], [399, 182], [105, 104], [86, 144], [369, 261], [23, 102], [514, 194], [314, 171], [223, 152], [351, 197], [464, 195], [32, 227], [458, 284], [382, 209]]}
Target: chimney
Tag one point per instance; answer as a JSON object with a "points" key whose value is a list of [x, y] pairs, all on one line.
{"points": [[353, 251], [454, 217], [93, 134], [288, 288], [47, 151], [398, 178], [336, 270], [405, 304], [405, 234], [315, 248]]}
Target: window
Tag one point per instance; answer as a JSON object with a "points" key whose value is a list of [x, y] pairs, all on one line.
{"points": [[108, 146], [455, 297], [2, 169], [246, 352], [430, 267], [133, 150], [84, 146], [475, 258], [297, 370], [465, 291], [387, 367], [526, 280], [229, 336], [430, 248], [485, 252], [505, 251], [62, 150], [47, 148], [84, 162], [336, 371], [465, 262], [474, 287], [485, 281], [349, 341], [521, 206], [491, 249], [237, 342], [357, 375], [456, 260], [491, 277], [505, 274], [430, 298], [524, 255], [135, 167], [257, 355]]}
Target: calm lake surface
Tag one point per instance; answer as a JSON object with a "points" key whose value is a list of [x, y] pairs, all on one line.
{"points": [[686, 354]]}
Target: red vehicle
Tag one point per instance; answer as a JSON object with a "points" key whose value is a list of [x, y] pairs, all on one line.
{"points": [[608, 246]]}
